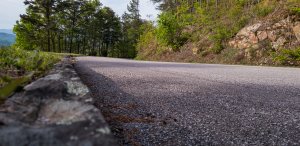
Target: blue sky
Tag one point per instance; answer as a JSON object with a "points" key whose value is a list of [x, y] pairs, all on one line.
{"points": [[11, 9]]}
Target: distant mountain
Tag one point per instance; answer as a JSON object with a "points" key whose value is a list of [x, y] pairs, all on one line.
{"points": [[9, 31], [7, 39]]}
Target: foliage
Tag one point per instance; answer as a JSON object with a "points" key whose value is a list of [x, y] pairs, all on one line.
{"points": [[147, 41], [172, 25], [264, 8], [187, 21], [26, 61], [12, 85], [18, 66], [207, 25], [264, 11], [131, 28], [6, 39], [294, 6], [296, 10], [77, 26], [288, 56], [221, 33], [168, 31]]}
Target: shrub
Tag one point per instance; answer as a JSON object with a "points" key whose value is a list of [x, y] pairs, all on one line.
{"points": [[168, 31], [288, 56], [296, 11], [26, 61], [221, 34], [147, 44], [264, 10], [294, 6], [19, 66]]}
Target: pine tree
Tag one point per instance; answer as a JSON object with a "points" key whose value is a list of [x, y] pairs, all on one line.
{"points": [[73, 26], [131, 27]]}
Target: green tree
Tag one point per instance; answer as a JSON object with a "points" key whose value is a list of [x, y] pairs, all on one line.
{"points": [[78, 26], [131, 29]]}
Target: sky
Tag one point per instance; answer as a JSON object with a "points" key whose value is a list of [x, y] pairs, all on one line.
{"points": [[11, 9], [9, 12], [120, 6]]}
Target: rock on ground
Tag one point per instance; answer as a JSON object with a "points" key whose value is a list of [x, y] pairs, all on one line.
{"points": [[54, 110]]}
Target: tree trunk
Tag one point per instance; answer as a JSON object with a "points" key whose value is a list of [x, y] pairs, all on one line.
{"points": [[71, 43], [94, 44], [48, 27], [53, 43], [99, 47], [59, 45], [83, 47], [66, 44], [78, 46]]}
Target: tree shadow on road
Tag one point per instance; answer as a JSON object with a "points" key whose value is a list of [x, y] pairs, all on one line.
{"points": [[118, 107]]}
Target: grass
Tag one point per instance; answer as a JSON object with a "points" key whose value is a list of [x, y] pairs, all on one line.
{"points": [[18, 67], [290, 57]]}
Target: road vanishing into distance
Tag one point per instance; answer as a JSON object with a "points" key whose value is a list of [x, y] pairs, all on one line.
{"points": [[159, 103]]}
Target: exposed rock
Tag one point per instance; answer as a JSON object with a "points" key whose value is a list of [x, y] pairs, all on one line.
{"points": [[247, 30], [279, 43], [253, 38], [77, 134], [261, 38], [195, 51], [248, 53], [54, 110], [272, 36], [76, 88], [262, 35], [46, 88], [277, 34], [256, 46], [232, 43], [277, 25], [66, 112], [53, 77], [296, 30]]}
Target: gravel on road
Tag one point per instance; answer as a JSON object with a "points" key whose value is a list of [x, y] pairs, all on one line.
{"points": [[160, 103]]}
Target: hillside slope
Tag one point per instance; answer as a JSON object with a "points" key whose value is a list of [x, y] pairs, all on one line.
{"points": [[9, 31], [258, 33], [7, 39]]}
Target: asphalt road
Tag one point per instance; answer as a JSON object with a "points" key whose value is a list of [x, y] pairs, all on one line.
{"points": [[158, 103]]}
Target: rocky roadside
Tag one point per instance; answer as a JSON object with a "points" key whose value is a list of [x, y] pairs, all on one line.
{"points": [[256, 40], [54, 110]]}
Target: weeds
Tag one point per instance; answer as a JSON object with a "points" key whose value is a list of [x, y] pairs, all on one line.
{"points": [[19, 66], [288, 57]]}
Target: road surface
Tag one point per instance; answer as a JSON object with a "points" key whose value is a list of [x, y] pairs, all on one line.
{"points": [[159, 103]]}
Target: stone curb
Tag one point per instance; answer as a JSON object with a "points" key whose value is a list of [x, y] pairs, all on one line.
{"points": [[54, 110]]}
